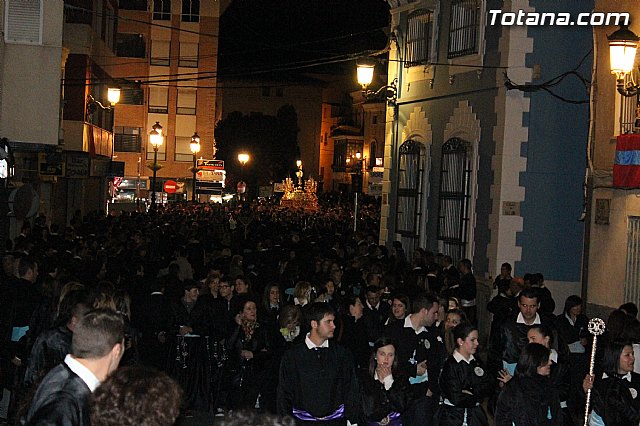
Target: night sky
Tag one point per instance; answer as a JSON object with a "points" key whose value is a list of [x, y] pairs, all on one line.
{"points": [[293, 36]]}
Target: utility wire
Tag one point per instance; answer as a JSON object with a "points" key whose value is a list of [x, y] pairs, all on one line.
{"points": [[553, 82]]}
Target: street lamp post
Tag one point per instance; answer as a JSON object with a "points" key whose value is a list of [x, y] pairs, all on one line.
{"points": [[195, 148], [243, 158], [155, 138], [113, 96], [389, 92], [623, 45]]}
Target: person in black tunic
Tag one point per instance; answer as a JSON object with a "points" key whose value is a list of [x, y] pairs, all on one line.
{"points": [[615, 391], [560, 378], [505, 348], [574, 338], [385, 391], [318, 385], [189, 359], [352, 333], [529, 399], [62, 398], [464, 382], [152, 318], [421, 354]]}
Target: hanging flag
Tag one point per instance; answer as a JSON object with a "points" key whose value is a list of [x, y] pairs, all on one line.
{"points": [[626, 166]]}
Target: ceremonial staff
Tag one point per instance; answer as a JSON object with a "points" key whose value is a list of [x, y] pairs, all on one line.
{"points": [[596, 327]]}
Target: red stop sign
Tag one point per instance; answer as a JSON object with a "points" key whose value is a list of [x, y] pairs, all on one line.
{"points": [[170, 187]]}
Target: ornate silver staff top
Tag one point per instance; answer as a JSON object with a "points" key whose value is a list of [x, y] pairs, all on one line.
{"points": [[596, 326]]}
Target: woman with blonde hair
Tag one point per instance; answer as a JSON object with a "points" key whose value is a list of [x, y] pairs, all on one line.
{"points": [[302, 294]]}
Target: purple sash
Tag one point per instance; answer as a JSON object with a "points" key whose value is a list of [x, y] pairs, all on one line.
{"points": [[304, 415], [392, 419]]}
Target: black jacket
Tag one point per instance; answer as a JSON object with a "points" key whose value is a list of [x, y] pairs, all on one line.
{"points": [[378, 402], [613, 400], [61, 399], [49, 350], [508, 343], [459, 376], [528, 401]]}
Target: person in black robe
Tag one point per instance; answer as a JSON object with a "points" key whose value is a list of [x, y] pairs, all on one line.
{"points": [[151, 318], [376, 312], [529, 399], [464, 382], [615, 391], [505, 348], [559, 377], [385, 391], [317, 378], [352, 333], [189, 351], [574, 336], [421, 354], [62, 397]]}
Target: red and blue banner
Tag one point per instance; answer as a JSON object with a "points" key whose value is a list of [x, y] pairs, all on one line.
{"points": [[626, 166]]}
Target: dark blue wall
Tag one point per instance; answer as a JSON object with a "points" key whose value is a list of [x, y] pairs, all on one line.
{"points": [[552, 236]]}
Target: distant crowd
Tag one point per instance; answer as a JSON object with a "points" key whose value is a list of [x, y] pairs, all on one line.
{"points": [[256, 309]]}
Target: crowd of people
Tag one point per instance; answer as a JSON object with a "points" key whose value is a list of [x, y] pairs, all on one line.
{"points": [[259, 309]]}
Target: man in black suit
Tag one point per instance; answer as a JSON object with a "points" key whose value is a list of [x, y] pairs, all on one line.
{"points": [[376, 312], [96, 349]]}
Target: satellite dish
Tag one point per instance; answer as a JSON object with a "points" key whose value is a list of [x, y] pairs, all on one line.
{"points": [[24, 202]]}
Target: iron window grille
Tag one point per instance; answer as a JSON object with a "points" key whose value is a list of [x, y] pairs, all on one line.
{"points": [[454, 196], [419, 37], [464, 28]]}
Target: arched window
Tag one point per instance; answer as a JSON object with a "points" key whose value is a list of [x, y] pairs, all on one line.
{"points": [[454, 196], [411, 166]]}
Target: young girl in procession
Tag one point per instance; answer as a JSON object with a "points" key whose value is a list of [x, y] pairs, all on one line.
{"points": [[385, 392], [529, 399], [464, 382], [615, 392], [560, 377]]}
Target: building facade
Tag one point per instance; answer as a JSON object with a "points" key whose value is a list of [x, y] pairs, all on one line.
{"points": [[167, 54], [47, 75], [611, 250], [480, 159]]}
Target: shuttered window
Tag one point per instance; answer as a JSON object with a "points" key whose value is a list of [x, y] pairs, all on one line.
{"points": [[186, 101], [24, 21], [160, 52], [188, 55], [158, 99], [183, 149]]}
